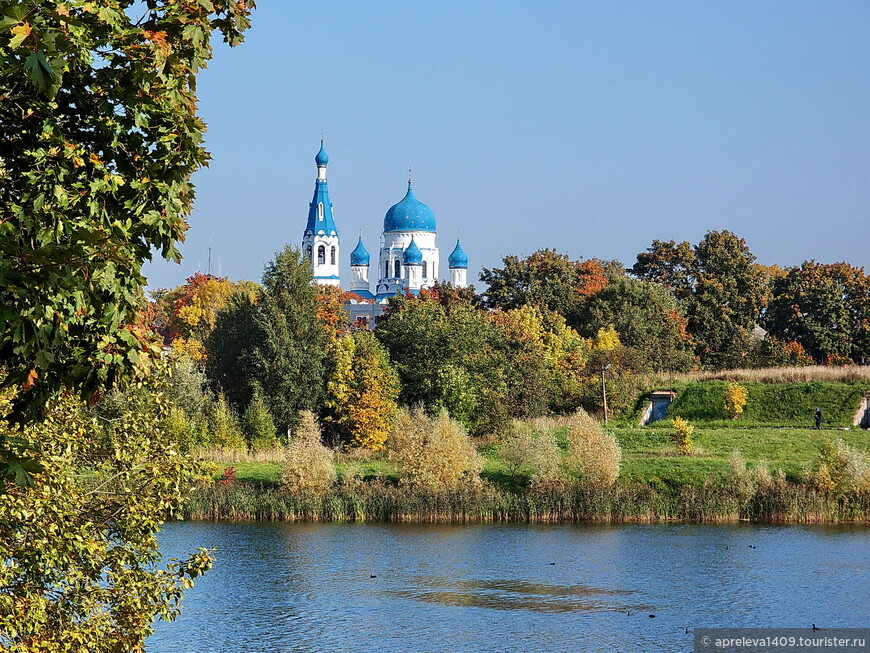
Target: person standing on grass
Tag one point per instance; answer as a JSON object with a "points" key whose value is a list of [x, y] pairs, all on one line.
{"points": [[818, 418]]}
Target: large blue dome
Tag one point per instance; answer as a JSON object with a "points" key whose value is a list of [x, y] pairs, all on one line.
{"points": [[409, 215]]}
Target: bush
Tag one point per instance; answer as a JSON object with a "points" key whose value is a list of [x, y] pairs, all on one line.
{"points": [[593, 454], [259, 426], [527, 450], [842, 468], [736, 397], [225, 430], [434, 452], [308, 467], [682, 436]]}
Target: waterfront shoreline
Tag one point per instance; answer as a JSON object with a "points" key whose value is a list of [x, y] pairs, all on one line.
{"points": [[636, 503]]}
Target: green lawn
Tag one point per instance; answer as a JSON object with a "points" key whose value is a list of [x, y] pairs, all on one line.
{"points": [[647, 454]]}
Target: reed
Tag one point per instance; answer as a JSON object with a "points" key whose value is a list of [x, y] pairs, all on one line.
{"points": [[228, 455], [763, 500]]}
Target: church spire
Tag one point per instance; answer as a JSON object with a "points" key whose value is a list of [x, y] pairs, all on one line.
{"points": [[320, 240]]}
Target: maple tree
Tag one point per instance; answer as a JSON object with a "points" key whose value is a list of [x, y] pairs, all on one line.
{"points": [[100, 138]]}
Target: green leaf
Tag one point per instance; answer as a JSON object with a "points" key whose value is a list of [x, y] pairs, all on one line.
{"points": [[43, 76], [20, 469]]}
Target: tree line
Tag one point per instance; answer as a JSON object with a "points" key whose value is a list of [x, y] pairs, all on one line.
{"points": [[535, 342]]}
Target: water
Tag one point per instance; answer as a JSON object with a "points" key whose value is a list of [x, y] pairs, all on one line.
{"points": [[310, 587]]}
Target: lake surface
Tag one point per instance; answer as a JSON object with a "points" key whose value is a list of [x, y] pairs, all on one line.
{"points": [[387, 587]]}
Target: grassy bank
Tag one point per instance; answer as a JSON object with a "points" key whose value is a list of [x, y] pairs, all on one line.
{"points": [[655, 484], [770, 404], [648, 455], [782, 480]]}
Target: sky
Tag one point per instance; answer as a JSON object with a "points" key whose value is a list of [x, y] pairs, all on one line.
{"points": [[589, 127]]}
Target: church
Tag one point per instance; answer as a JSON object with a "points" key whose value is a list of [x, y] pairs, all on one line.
{"points": [[408, 258]]}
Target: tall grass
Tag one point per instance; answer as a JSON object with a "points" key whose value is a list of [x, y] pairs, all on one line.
{"points": [[808, 374], [226, 455], [762, 500]]}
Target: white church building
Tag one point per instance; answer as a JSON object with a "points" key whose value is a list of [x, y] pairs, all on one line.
{"points": [[408, 259]]}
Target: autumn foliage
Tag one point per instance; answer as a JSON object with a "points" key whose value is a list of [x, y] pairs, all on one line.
{"points": [[736, 397], [361, 390], [308, 467], [433, 452], [593, 454]]}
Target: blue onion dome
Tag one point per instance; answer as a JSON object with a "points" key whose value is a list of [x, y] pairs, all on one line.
{"points": [[321, 159], [412, 255], [458, 258], [409, 215], [360, 255]]}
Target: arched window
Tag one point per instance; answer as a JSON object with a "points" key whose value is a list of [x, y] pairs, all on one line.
{"points": [[308, 252], [321, 255], [386, 269], [320, 210], [425, 268], [398, 270], [332, 256]]}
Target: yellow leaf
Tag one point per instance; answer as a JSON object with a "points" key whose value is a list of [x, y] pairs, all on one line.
{"points": [[19, 34], [22, 30]]}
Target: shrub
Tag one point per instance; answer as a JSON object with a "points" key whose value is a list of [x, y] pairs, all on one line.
{"points": [[228, 477], [741, 481], [682, 436], [259, 426], [525, 449], [434, 452], [547, 470], [307, 467], [593, 454], [225, 430], [843, 468], [736, 397]]}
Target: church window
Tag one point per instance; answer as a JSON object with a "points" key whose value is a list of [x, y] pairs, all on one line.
{"points": [[386, 269], [332, 256], [425, 268], [398, 270], [321, 255], [320, 210], [308, 252]]}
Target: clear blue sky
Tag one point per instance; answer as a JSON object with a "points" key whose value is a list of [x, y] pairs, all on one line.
{"points": [[590, 127]]}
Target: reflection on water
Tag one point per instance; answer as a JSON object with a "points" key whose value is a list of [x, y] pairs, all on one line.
{"points": [[309, 588], [511, 595]]}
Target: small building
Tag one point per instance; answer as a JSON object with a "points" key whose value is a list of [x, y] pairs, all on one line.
{"points": [[657, 408]]}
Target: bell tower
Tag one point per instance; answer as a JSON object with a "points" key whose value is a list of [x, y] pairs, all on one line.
{"points": [[320, 240]]}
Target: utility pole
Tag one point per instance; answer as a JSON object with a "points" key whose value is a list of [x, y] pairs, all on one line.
{"points": [[604, 368]]}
